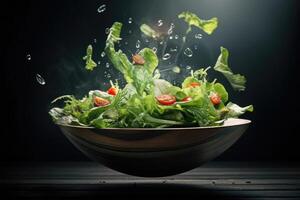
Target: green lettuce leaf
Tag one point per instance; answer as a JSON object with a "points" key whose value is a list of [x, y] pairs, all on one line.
{"points": [[208, 26], [151, 60], [148, 31], [89, 63], [237, 81], [236, 111]]}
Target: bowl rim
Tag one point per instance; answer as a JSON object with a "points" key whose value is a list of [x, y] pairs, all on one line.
{"points": [[239, 123]]}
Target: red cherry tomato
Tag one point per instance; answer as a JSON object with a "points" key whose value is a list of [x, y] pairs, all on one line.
{"points": [[166, 99], [215, 99], [186, 99], [194, 84], [100, 102], [112, 91]]}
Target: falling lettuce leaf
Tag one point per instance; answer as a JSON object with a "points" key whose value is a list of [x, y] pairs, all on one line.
{"points": [[236, 111], [237, 81], [208, 26], [148, 31], [89, 63]]}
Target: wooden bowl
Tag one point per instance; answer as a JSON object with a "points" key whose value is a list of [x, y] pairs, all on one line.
{"points": [[155, 152]]}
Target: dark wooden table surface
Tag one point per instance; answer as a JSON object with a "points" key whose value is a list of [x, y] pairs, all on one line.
{"points": [[86, 180]]}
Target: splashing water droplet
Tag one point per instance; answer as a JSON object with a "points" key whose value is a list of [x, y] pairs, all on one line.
{"points": [[160, 22], [138, 44], [173, 49], [102, 54], [130, 20], [195, 47], [107, 30], [108, 76], [99, 62], [40, 79], [188, 67], [146, 40], [171, 37], [166, 56], [176, 37], [188, 52], [170, 31], [154, 49], [28, 56], [176, 70], [198, 36], [102, 8], [95, 40], [107, 65]]}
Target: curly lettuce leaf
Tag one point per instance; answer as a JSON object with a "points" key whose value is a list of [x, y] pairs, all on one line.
{"points": [[237, 81], [89, 63], [208, 26]]}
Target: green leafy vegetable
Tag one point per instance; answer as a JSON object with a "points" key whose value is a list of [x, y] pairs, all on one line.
{"points": [[148, 31], [147, 100], [208, 26], [89, 63], [237, 81], [236, 111]]}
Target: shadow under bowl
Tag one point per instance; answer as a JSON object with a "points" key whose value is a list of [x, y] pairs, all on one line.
{"points": [[155, 152]]}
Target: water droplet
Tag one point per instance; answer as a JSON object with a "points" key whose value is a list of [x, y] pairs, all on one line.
{"points": [[170, 31], [166, 56], [188, 67], [126, 43], [176, 37], [154, 49], [99, 62], [107, 30], [40, 79], [146, 40], [129, 20], [173, 49], [138, 44], [198, 36], [176, 70], [28, 57], [108, 76], [160, 22], [107, 65], [195, 47], [95, 40], [188, 52], [102, 8], [171, 37], [102, 54], [130, 31]]}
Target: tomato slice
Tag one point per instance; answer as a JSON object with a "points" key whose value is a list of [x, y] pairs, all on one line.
{"points": [[100, 102], [215, 98], [186, 99], [194, 84], [166, 99], [112, 91], [138, 59]]}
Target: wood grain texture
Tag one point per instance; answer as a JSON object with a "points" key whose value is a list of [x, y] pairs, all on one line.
{"points": [[91, 180], [155, 152]]}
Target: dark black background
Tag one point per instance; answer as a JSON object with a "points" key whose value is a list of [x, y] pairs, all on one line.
{"points": [[262, 37]]}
